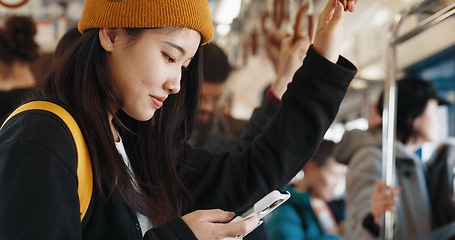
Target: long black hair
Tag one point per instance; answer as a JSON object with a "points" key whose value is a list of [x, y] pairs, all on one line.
{"points": [[82, 84]]}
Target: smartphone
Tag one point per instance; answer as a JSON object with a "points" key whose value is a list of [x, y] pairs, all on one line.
{"points": [[263, 207]]}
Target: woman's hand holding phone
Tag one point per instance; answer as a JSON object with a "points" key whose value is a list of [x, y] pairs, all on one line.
{"points": [[215, 224]]}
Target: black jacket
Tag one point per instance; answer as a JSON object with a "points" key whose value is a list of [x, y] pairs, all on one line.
{"points": [[38, 182]]}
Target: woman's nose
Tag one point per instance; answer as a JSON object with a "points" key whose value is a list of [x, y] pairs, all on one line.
{"points": [[172, 86]]}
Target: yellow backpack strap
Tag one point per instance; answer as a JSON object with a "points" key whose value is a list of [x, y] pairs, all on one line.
{"points": [[84, 167]]}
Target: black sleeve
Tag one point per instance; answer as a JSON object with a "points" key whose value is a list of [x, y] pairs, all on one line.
{"points": [[176, 228], [369, 224], [38, 183], [233, 181], [260, 118]]}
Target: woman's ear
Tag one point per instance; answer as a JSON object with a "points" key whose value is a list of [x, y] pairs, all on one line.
{"points": [[108, 38]]}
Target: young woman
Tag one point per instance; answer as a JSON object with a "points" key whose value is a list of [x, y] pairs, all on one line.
{"points": [[132, 83]]}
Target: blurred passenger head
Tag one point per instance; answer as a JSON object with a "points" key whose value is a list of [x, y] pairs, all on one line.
{"points": [[216, 69], [17, 42], [417, 104], [323, 172]]}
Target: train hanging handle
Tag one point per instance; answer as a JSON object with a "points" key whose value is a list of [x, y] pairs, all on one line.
{"points": [[303, 11], [17, 4]]}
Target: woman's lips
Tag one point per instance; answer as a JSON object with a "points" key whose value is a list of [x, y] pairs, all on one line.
{"points": [[158, 101]]}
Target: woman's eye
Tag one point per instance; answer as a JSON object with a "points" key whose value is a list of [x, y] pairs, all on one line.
{"points": [[168, 58]]}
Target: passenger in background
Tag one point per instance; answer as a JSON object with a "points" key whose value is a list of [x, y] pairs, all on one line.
{"points": [[215, 129], [18, 50], [417, 122], [308, 214], [440, 179]]}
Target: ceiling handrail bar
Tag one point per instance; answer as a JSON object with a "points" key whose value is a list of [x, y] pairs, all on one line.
{"points": [[427, 23]]}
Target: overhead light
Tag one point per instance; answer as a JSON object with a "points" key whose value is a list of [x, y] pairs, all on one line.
{"points": [[382, 16], [226, 11], [373, 71], [223, 29]]}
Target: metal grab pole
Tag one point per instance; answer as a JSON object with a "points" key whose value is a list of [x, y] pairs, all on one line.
{"points": [[388, 143], [389, 112], [388, 129]]}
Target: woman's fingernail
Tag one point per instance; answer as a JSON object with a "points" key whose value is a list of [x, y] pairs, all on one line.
{"points": [[337, 4]]}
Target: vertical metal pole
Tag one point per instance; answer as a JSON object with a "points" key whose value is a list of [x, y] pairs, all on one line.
{"points": [[388, 138], [389, 124]]}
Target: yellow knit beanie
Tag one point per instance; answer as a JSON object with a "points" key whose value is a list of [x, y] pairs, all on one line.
{"points": [[193, 14]]}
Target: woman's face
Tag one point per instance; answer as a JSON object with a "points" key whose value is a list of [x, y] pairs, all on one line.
{"points": [[145, 71], [426, 126]]}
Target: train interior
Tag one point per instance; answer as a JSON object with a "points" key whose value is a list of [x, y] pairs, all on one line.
{"points": [[385, 39]]}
